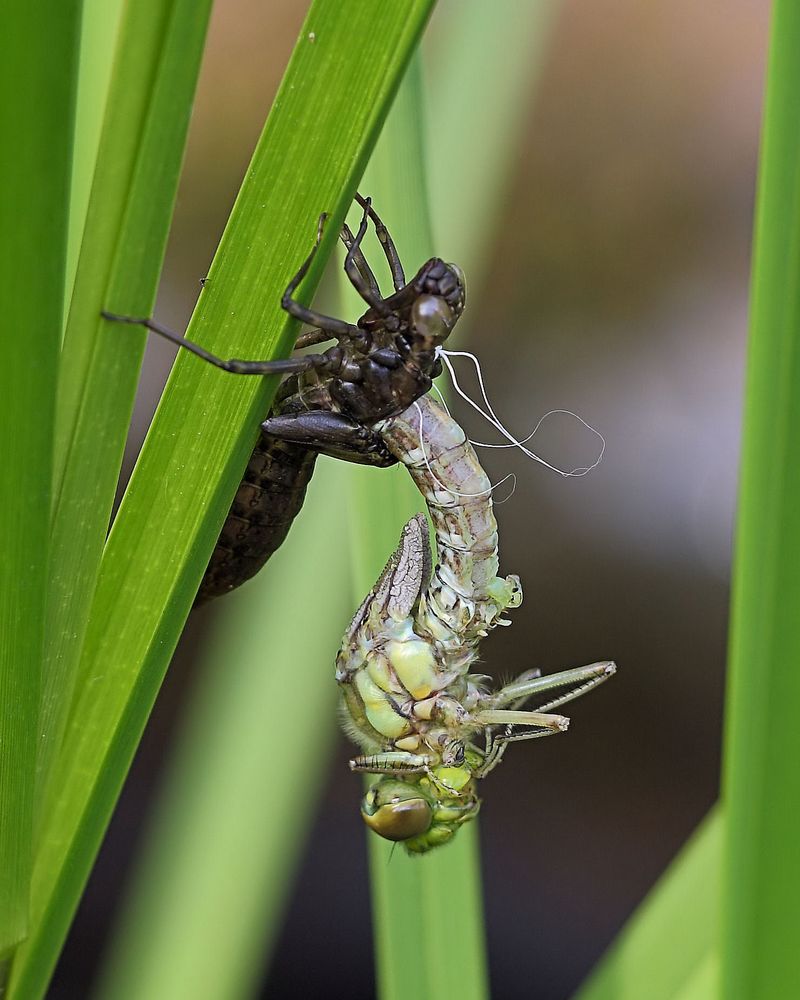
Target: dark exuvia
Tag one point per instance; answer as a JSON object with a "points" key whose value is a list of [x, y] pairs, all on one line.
{"points": [[328, 403]]}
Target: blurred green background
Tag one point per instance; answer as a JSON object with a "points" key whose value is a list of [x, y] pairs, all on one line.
{"points": [[614, 284]]}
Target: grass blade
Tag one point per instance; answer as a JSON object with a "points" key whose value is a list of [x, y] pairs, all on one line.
{"points": [[99, 27], [313, 148], [704, 982], [757, 955], [420, 905], [468, 183], [668, 948], [224, 842], [37, 79], [761, 865], [154, 77]]}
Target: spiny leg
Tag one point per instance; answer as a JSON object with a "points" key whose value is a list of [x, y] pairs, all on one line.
{"points": [[357, 279], [360, 261], [367, 277], [508, 717], [396, 762], [496, 746], [581, 680], [311, 337], [332, 434], [334, 327], [236, 366], [398, 276]]}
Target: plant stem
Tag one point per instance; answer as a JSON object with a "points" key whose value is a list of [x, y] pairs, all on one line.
{"points": [[761, 866]]}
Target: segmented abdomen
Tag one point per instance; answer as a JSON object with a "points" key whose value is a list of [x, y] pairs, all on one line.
{"points": [[465, 595], [269, 498]]}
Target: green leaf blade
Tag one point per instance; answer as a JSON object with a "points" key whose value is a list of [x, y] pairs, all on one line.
{"points": [[761, 885], [153, 82], [238, 801], [37, 77], [669, 945], [427, 907], [314, 146]]}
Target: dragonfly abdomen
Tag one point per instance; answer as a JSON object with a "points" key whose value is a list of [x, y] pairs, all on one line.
{"points": [[465, 593], [267, 501]]}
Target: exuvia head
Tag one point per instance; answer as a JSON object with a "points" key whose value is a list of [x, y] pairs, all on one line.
{"points": [[429, 304], [445, 281], [439, 302]]}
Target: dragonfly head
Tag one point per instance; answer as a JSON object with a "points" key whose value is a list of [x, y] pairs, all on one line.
{"points": [[439, 301], [444, 281], [423, 814], [396, 810]]}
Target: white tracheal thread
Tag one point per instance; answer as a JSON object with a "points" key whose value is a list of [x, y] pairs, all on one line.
{"points": [[443, 401], [511, 475], [494, 420], [446, 489]]}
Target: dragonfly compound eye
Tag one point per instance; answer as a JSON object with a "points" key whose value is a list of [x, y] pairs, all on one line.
{"points": [[396, 811], [432, 319]]}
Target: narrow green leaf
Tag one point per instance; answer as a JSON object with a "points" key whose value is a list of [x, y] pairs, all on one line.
{"points": [[756, 957], [240, 795], [761, 866], [482, 72], [314, 146], [37, 80], [147, 116], [421, 906], [668, 948], [99, 26], [704, 982], [166, 926], [429, 907]]}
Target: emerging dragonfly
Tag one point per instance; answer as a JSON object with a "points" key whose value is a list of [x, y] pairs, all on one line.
{"points": [[328, 402], [425, 723]]}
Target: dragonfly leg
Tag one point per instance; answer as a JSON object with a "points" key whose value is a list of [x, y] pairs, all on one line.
{"points": [[536, 725], [364, 277], [360, 261], [578, 682], [391, 762], [496, 746], [398, 277], [311, 337], [362, 284], [331, 434], [334, 327], [236, 366], [508, 717]]}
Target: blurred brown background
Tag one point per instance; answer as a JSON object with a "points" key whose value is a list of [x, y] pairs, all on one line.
{"points": [[617, 288]]}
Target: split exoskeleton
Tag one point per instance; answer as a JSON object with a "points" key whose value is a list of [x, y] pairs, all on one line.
{"points": [[426, 725], [328, 402]]}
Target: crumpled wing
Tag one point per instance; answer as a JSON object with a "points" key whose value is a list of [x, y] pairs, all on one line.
{"points": [[404, 578]]}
